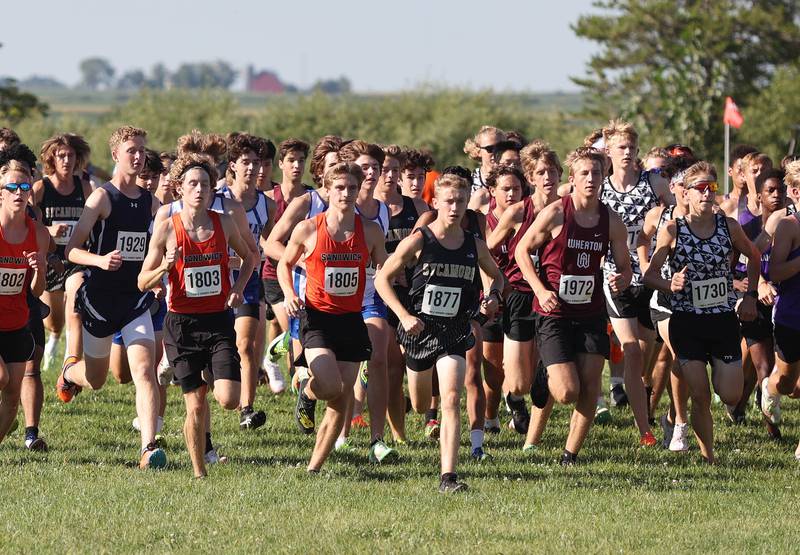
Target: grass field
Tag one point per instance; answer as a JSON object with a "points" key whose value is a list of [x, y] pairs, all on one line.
{"points": [[87, 496]]}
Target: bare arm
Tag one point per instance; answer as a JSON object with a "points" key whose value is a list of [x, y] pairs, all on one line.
{"points": [[36, 260], [506, 225], [664, 245], [376, 242], [295, 248], [407, 253], [491, 277], [747, 308], [158, 260], [645, 236], [618, 237], [779, 267], [282, 230], [421, 206], [98, 207], [537, 235]]}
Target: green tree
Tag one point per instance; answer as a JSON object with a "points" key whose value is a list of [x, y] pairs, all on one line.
{"points": [[16, 105], [97, 73], [667, 65]]}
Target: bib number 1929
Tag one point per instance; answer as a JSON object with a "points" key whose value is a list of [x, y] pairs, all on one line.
{"points": [[132, 245]]}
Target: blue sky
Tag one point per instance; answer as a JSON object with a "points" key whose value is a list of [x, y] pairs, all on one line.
{"points": [[380, 46]]}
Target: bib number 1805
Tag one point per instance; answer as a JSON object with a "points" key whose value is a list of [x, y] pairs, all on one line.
{"points": [[341, 281]]}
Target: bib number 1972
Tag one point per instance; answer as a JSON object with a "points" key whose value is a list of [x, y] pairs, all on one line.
{"points": [[576, 289]]}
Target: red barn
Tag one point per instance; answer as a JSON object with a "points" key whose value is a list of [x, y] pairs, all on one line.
{"points": [[263, 82]]}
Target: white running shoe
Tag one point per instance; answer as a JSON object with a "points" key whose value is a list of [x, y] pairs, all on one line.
{"points": [[679, 443], [159, 424], [212, 457], [276, 382], [770, 405]]}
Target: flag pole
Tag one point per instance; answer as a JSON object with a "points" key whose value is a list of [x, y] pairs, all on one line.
{"points": [[727, 154]]}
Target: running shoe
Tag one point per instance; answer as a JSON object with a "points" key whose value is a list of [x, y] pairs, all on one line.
{"points": [[492, 426], [213, 457], [409, 406], [679, 443], [479, 455], [279, 347], [450, 484], [735, 415], [568, 459], [648, 440], [66, 390], [304, 410], [363, 374], [529, 448], [770, 404], [432, 429], [36, 444], [358, 421], [160, 441], [602, 415], [251, 420], [275, 377], [540, 391], [618, 396], [520, 417], [152, 457], [379, 452], [667, 428], [343, 446]]}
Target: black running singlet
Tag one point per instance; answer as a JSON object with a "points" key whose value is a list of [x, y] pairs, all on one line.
{"points": [[62, 209]]}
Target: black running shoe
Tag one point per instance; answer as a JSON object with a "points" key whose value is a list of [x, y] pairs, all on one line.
{"points": [[568, 459], [618, 396], [450, 484], [735, 415], [304, 410], [540, 391], [520, 417], [772, 429], [250, 419]]}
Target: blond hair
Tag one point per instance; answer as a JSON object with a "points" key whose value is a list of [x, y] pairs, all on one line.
{"points": [[472, 146], [699, 168], [342, 169], [71, 140], [450, 181], [585, 153], [188, 161], [619, 128], [792, 178], [125, 133], [535, 152]]}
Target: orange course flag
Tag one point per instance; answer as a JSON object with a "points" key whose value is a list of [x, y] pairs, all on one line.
{"points": [[733, 116]]}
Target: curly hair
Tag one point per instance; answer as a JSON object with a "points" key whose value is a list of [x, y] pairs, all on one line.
{"points": [[501, 170], [352, 150], [535, 152], [71, 140], [125, 133], [190, 160], [326, 145], [240, 143], [9, 137], [394, 151], [414, 159], [196, 142], [20, 153], [792, 178]]}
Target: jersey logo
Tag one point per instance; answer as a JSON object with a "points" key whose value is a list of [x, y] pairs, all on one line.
{"points": [[583, 260]]}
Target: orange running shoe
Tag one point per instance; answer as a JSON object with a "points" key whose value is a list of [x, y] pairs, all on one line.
{"points": [[65, 389], [358, 421], [648, 440]]}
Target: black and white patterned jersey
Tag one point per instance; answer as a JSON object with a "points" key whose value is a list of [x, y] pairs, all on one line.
{"points": [[477, 181], [660, 300], [708, 261], [632, 206]]}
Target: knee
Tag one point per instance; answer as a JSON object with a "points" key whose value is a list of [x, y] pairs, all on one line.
{"points": [[195, 412], [566, 395], [702, 400], [229, 402], [328, 390], [96, 380], [450, 400]]}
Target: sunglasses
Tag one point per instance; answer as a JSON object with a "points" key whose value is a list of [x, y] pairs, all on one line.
{"points": [[703, 186], [14, 187], [679, 150], [488, 148]]}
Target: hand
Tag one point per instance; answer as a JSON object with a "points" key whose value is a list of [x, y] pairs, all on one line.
{"points": [[160, 292], [294, 306], [111, 261], [616, 283], [489, 306], [36, 260], [766, 293], [235, 299], [172, 255], [412, 324], [59, 230], [548, 300], [678, 281], [747, 309], [740, 285]]}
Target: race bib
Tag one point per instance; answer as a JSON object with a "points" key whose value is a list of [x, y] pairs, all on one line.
{"points": [[438, 300], [535, 260], [709, 293], [576, 289], [132, 245], [633, 236], [342, 282], [70, 229], [12, 280], [203, 281]]}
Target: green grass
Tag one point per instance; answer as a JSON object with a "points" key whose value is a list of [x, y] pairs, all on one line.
{"points": [[86, 494]]}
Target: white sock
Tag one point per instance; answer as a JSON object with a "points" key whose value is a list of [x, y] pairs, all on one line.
{"points": [[476, 438], [52, 344], [339, 442]]}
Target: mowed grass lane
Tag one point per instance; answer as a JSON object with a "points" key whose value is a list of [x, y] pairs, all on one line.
{"points": [[86, 494]]}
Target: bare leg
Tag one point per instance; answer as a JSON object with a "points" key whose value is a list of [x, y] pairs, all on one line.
{"points": [[451, 371], [397, 401], [195, 428], [378, 384], [10, 384], [626, 329]]}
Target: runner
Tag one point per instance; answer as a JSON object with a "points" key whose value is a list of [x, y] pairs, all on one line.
{"points": [[117, 216], [292, 154], [370, 158], [631, 192], [245, 153], [61, 195], [784, 269], [324, 156], [572, 236], [403, 214], [191, 249], [703, 326], [436, 331], [336, 246], [264, 181], [416, 165], [23, 244], [480, 148]]}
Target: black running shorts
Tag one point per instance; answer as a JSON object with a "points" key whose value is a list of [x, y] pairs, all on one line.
{"points": [[760, 329], [518, 316], [344, 334], [560, 339], [16, 345], [198, 342], [634, 302], [272, 291], [705, 337], [787, 343]]}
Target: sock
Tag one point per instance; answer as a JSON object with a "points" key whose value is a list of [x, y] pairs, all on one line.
{"points": [[209, 445], [339, 442], [52, 344], [247, 410], [476, 438], [31, 432], [615, 381], [492, 423], [430, 414]]}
